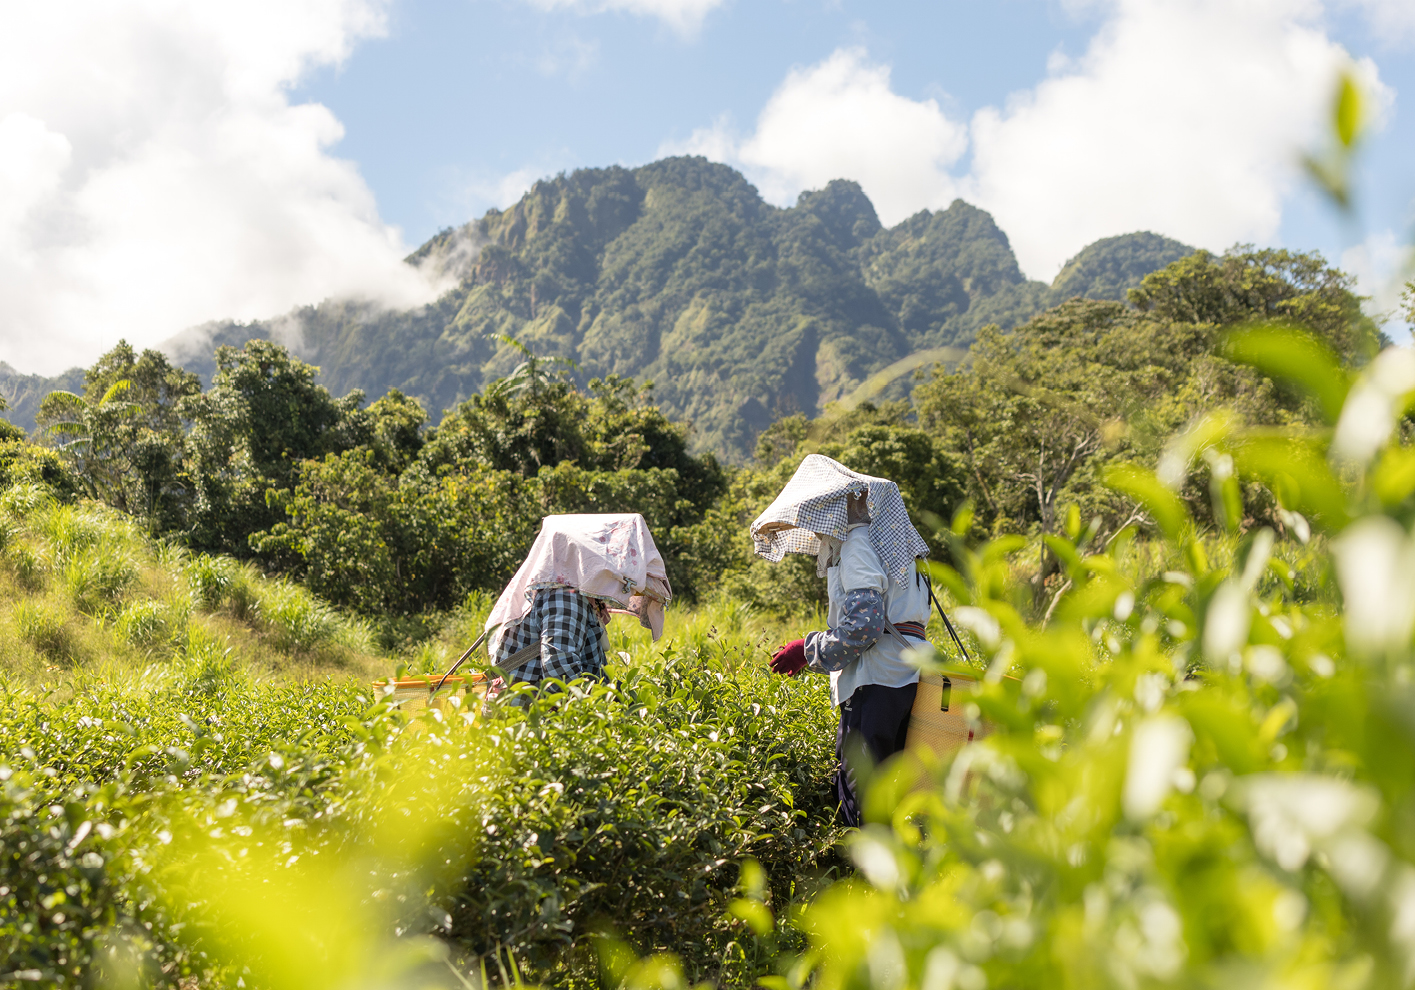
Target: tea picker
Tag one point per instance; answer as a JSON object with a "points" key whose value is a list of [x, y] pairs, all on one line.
{"points": [[549, 622], [858, 529]]}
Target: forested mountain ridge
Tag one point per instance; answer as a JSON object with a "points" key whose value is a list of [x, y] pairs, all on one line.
{"points": [[678, 272], [23, 393]]}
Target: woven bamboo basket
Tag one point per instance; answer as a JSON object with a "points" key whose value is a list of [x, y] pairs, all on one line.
{"points": [[414, 693], [937, 721]]}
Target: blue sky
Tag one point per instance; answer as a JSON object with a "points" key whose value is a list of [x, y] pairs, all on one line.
{"points": [[168, 162], [464, 100], [520, 88]]}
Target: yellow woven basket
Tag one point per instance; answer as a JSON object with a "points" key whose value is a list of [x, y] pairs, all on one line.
{"points": [[413, 693], [937, 721]]}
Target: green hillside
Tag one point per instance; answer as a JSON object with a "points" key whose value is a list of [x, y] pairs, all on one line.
{"points": [[1111, 266], [23, 393], [740, 312]]}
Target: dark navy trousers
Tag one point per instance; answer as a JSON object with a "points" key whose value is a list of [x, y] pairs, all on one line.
{"points": [[878, 717]]}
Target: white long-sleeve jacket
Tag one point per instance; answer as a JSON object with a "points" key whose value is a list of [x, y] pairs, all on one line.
{"points": [[858, 648]]}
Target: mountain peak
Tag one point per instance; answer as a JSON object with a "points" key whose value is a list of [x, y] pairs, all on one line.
{"points": [[844, 209], [1111, 265]]}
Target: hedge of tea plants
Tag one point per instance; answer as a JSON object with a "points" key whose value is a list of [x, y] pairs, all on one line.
{"points": [[626, 806]]}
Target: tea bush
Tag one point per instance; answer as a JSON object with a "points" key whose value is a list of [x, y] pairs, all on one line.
{"points": [[63, 882], [89, 785], [632, 805], [629, 803]]}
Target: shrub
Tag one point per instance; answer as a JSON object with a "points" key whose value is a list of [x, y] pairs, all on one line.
{"points": [[20, 500], [243, 597], [209, 580], [89, 787], [633, 804], [296, 619], [144, 623], [630, 801], [221, 583], [47, 628], [95, 580], [69, 529], [64, 877], [28, 564]]}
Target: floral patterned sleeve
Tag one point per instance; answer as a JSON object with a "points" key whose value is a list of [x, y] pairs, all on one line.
{"points": [[862, 623]]}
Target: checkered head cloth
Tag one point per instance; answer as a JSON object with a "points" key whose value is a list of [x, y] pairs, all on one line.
{"points": [[813, 501]]}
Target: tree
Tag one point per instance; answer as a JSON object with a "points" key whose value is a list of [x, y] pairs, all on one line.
{"points": [[261, 418], [124, 438], [1037, 413], [1244, 284], [393, 525], [536, 419], [392, 427], [86, 433], [530, 419], [385, 546], [1038, 404]]}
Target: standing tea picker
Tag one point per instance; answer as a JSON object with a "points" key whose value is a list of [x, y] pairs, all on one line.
{"points": [[866, 548], [549, 622]]}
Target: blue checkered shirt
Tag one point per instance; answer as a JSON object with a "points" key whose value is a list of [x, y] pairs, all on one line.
{"points": [[564, 622]]}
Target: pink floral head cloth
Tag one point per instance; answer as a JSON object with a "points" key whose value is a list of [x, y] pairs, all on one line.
{"points": [[610, 556]]}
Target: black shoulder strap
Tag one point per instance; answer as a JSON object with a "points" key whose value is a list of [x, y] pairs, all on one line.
{"points": [[514, 662], [944, 616]]}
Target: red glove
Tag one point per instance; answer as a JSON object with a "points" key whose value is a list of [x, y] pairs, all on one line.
{"points": [[790, 659]]}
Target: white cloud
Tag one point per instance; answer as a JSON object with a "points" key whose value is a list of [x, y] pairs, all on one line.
{"points": [[717, 142], [1393, 20], [154, 174], [684, 16], [1381, 264], [1183, 118], [1186, 117], [841, 119], [31, 158]]}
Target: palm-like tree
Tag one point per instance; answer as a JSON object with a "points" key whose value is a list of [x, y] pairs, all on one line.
{"points": [[534, 374], [91, 436]]}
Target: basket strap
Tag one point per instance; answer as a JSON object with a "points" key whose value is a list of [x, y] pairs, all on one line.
{"points": [[520, 658], [944, 616]]}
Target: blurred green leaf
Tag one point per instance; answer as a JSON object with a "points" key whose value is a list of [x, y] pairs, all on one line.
{"points": [[754, 913], [963, 520], [1348, 113], [1393, 479], [1292, 355], [1162, 504], [1065, 552], [1296, 471]]}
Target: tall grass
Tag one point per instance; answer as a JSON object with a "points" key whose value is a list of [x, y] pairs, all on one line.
{"points": [[81, 584]]}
